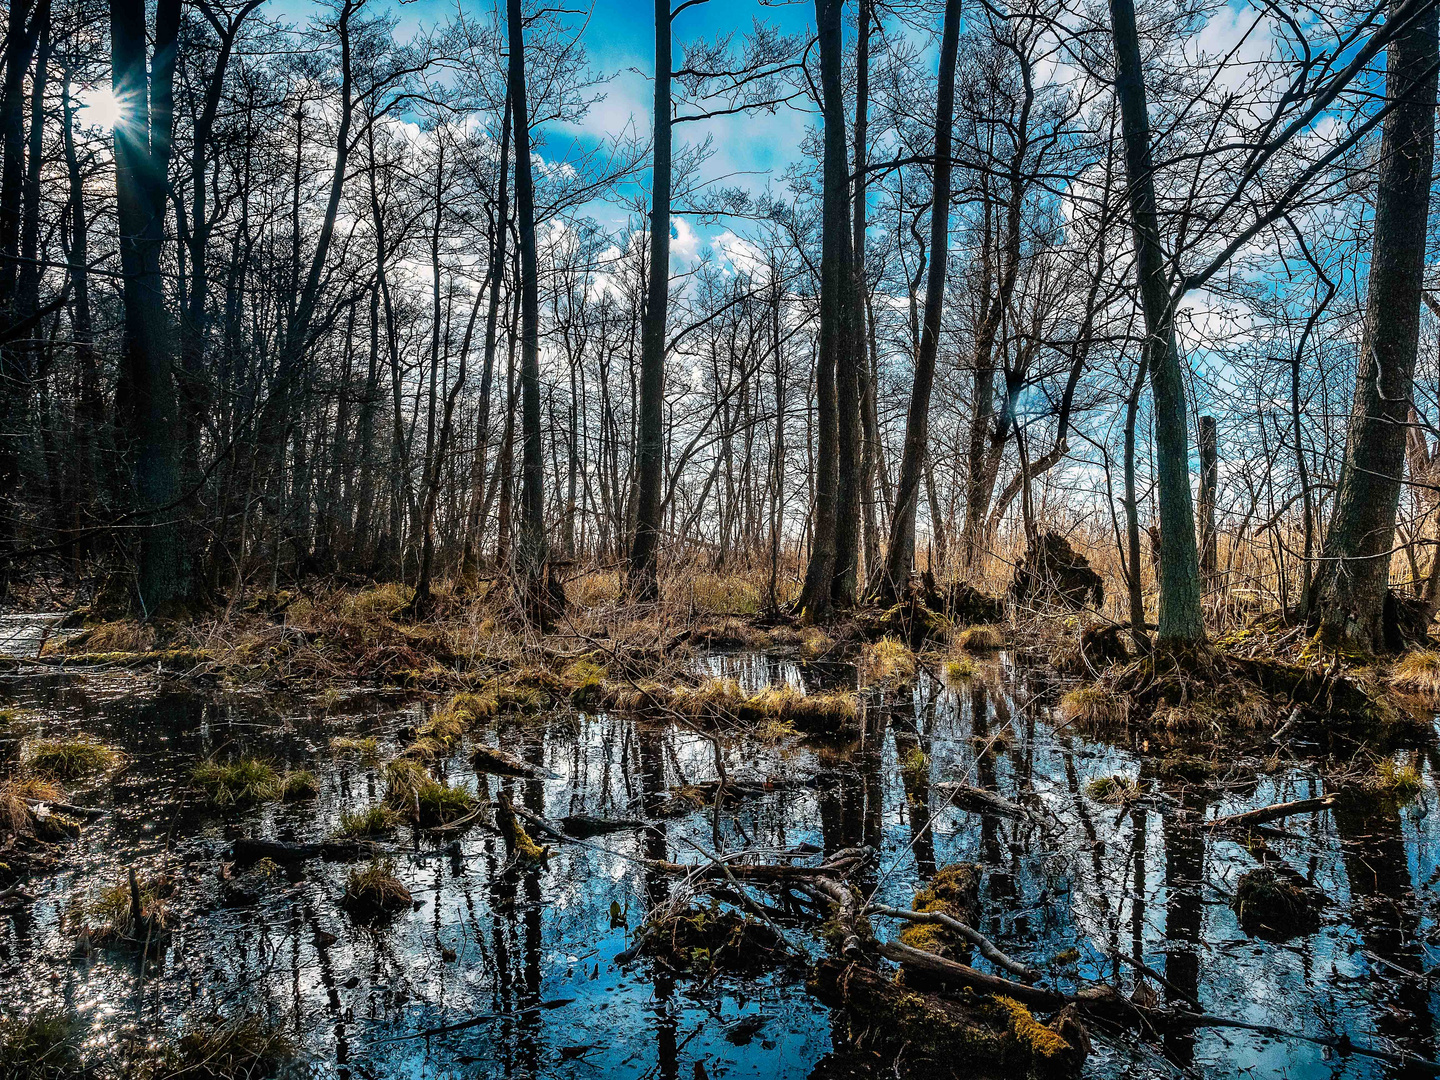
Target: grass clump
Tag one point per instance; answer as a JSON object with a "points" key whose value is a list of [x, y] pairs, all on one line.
{"points": [[411, 790], [979, 639], [373, 821], [1398, 782], [1114, 790], [374, 891], [240, 1049], [368, 748], [1091, 708], [109, 918], [889, 660], [18, 821], [70, 759], [958, 669], [45, 1046], [1272, 904], [300, 784], [242, 782], [1418, 672]]}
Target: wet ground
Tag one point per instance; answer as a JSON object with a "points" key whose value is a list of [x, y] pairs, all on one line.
{"points": [[498, 973]]}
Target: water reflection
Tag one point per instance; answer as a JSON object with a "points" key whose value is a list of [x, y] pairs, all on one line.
{"points": [[516, 974]]}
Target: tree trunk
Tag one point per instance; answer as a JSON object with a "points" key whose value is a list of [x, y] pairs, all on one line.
{"points": [[142, 159], [1180, 617], [831, 366], [901, 554], [642, 578], [1349, 592]]}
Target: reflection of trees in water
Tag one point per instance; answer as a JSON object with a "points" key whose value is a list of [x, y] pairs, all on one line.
{"points": [[1184, 914], [912, 739], [1383, 910], [657, 892]]}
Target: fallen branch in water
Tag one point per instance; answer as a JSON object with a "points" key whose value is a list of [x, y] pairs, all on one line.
{"points": [[986, 947], [1272, 813], [979, 801], [65, 808]]}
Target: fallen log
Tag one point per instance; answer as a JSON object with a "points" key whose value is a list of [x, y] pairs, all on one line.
{"points": [[980, 801], [487, 759], [583, 825], [65, 808], [1272, 813]]}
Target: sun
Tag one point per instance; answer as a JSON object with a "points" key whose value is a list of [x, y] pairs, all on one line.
{"points": [[101, 107]]}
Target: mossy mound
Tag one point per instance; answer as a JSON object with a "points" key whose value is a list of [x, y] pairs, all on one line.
{"points": [[955, 891], [902, 1031], [1277, 905], [373, 891], [701, 940]]}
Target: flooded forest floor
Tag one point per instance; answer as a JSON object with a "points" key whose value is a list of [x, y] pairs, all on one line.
{"points": [[315, 837]]}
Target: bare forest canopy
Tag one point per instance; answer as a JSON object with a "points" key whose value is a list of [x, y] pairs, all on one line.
{"points": [[318, 289]]}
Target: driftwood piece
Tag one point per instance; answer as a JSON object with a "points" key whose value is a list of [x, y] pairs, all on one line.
{"points": [[980, 801], [1272, 813], [487, 759]]}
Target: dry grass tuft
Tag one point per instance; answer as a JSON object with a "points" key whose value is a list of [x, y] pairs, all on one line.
{"points": [[242, 782], [300, 784], [374, 821], [412, 791], [374, 890], [1114, 790], [888, 660], [1093, 709], [958, 669], [979, 639], [368, 748], [1418, 672], [122, 636], [45, 1046], [243, 1049], [108, 918]]}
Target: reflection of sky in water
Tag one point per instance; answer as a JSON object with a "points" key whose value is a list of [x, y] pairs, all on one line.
{"points": [[534, 954]]}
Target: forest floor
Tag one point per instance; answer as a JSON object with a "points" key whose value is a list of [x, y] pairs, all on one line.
{"points": [[768, 816]]}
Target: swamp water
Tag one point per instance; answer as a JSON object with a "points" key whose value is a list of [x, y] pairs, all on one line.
{"points": [[503, 973]]}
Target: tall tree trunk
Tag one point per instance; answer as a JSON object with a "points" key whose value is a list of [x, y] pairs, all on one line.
{"points": [[825, 576], [501, 234], [901, 553], [1181, 622], [142, 159], [1349, 592], [642, 578]]}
